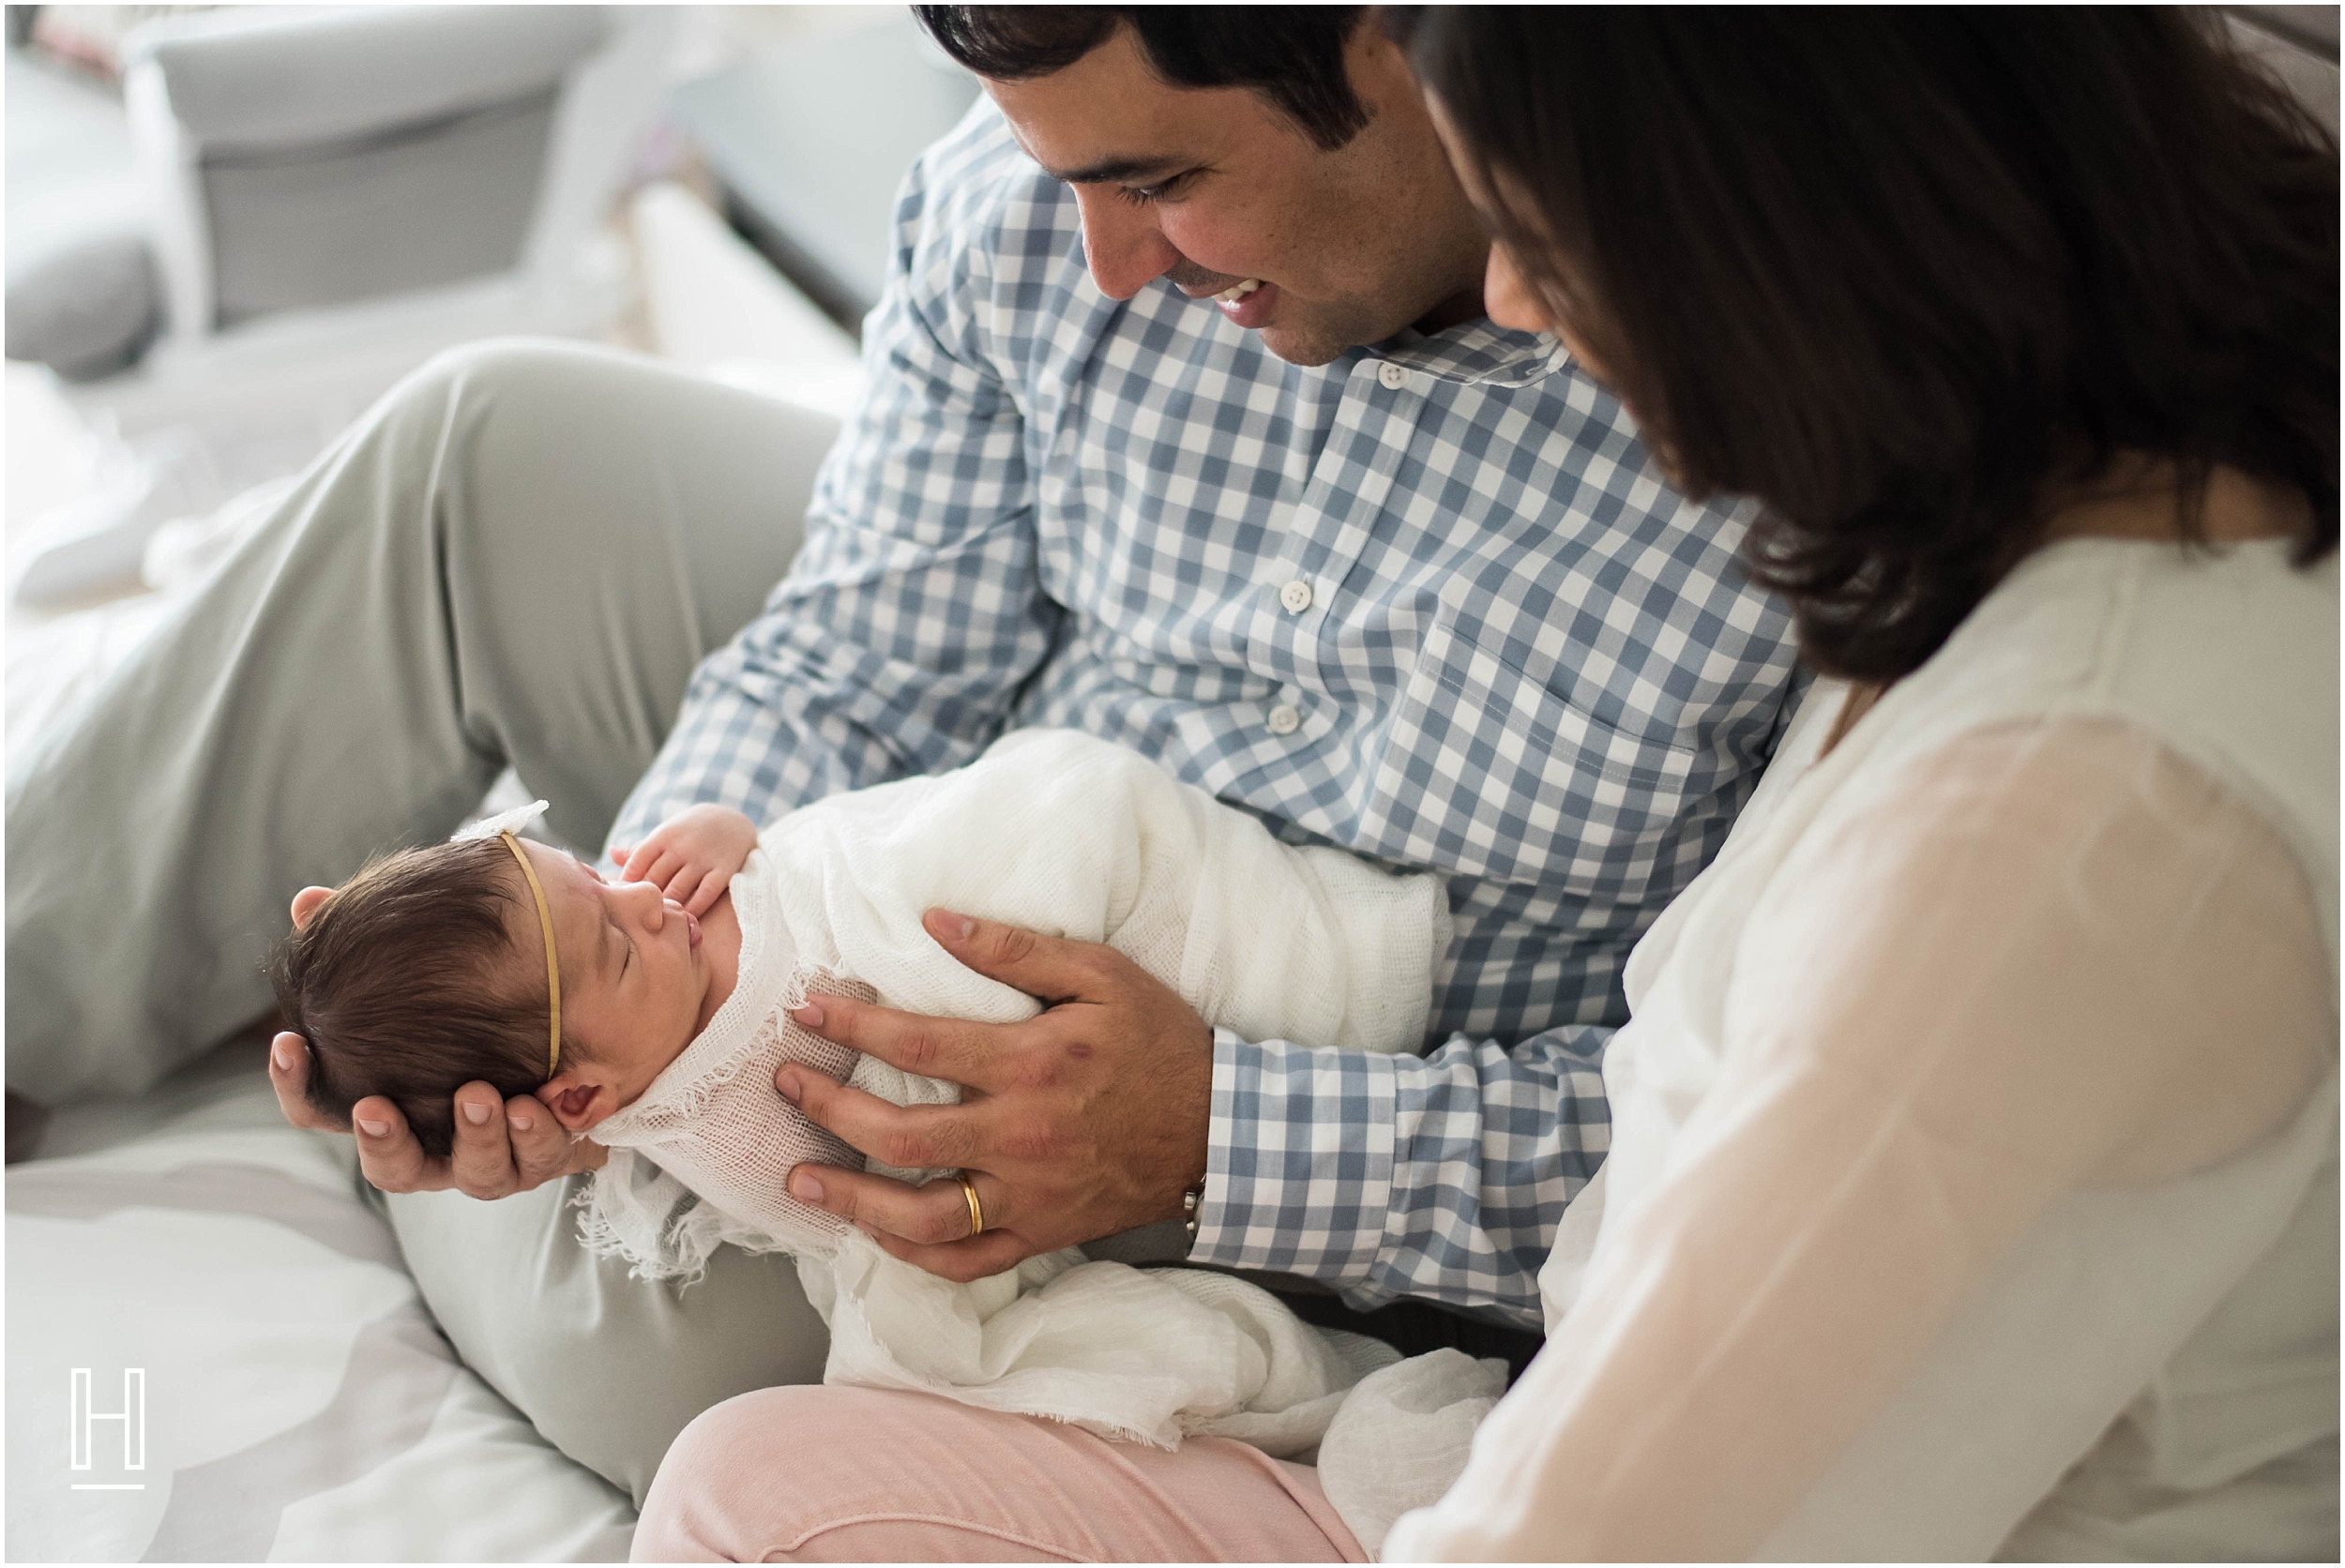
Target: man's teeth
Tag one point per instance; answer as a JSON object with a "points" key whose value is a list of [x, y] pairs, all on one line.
{"points": [[1236, 291]]}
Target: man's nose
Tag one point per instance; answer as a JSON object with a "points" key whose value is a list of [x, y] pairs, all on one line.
{"points": [[1125, 250]]}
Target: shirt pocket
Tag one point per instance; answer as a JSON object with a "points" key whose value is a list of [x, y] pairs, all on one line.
{"points": [[1486, 771]]}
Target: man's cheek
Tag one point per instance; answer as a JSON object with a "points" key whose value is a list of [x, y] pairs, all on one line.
{"points": [[1219, 242]]}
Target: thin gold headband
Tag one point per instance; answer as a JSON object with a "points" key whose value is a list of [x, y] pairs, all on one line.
{"points": [[554, 969]]}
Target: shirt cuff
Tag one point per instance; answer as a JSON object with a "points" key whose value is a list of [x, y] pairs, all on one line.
{"points": [[1299, 1172]]}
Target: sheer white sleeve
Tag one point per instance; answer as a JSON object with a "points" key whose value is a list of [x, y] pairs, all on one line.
{"points": [[2048, 959]]}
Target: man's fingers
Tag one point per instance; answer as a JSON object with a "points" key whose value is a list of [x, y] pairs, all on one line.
{"points": [[289, 1074], [541, 1145], [388, 1154], [910, 1138], [955, 1049], [931, 1216], [1049, 968], [995, 1252], [482, 1163]]}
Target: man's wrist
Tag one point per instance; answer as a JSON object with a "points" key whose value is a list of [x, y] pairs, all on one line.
{"points": [[1298, 1159], [1192, 1199]]}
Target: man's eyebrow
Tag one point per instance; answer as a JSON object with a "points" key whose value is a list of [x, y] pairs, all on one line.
{"points": [[1109, 169]]}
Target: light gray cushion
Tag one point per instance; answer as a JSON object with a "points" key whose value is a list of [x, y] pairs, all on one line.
{"points": [[88, 309], [83, 294], [323, 225], [609, 1368], [254, 80]]}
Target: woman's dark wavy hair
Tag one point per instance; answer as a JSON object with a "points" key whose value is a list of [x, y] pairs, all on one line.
{"points": [[1903, 274], [1291, 55]]}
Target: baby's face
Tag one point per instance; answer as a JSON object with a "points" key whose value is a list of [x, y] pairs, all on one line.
{"points": [[635, 987]]}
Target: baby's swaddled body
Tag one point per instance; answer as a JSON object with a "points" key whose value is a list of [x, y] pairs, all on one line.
{"points": [[1067, 834]]}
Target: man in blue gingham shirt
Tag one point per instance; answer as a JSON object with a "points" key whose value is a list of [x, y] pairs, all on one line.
{"points": [[1429, 601]]}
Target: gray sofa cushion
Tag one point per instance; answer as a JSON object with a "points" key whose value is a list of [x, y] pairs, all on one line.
{"points": [[83, 294], [87, 310], [250, 82]]}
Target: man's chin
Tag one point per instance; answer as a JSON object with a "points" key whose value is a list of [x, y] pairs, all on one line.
{"points": [[1302, 334], [1303, 345]]}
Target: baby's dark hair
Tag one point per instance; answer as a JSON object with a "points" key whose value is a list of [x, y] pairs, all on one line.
{"points": [[405, 983]]}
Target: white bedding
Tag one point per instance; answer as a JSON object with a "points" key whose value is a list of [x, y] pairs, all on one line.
{"points": [[299, 1403]]}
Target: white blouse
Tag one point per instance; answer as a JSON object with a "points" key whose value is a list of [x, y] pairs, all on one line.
{"points": [[1973, 1187]]}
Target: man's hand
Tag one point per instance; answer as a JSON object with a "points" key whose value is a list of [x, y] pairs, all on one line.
{"points": [[1080, 1123], [502, 1147], [693, 857]]}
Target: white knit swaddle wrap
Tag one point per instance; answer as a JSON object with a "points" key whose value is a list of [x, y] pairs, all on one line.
{"points": [[699, 1159], [1065, 833]]}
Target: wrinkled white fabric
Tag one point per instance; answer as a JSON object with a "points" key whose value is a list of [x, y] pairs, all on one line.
{"points": [[1973, 1184], [1078, 836], [1149, 1355], [1401, 1437], [1070, 835]]}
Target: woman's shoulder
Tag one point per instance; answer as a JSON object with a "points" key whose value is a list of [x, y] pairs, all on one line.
{"points": [[2226, 654]]}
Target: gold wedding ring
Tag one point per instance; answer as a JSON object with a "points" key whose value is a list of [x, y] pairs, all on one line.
{"points": [[976, 1210]]}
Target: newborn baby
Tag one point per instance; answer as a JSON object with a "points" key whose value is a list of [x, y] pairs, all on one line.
{"points": [[651, 1012]]}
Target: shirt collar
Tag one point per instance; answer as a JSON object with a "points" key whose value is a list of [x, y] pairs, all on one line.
{"points": [[1476, 353]]}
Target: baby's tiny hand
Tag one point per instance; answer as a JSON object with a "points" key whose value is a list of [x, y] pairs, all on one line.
{"points": [[691, 856]]}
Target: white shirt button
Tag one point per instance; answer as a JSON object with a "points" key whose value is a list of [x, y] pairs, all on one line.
{"points": [[1392, 375], [1284, 720], [1297, 596]]}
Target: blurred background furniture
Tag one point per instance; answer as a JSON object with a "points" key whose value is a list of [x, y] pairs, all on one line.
{"points": [[291, 210], [815, 202]]}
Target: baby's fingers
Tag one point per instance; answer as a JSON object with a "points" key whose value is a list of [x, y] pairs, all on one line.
{"points": [[651, 854], [703, 898]]}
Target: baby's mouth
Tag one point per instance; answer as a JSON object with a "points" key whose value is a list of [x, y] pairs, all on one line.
{"points": [[692, 929]]}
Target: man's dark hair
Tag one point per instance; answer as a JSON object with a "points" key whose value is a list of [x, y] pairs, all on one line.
{"points": [[1902, 274], [405, 983], [1291, 55]]}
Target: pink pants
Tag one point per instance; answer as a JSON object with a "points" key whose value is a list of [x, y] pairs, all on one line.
{"points": [[813, 1474]]}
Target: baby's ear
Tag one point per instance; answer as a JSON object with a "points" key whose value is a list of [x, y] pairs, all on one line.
{"points": [[306, 904], [577, 1106]]}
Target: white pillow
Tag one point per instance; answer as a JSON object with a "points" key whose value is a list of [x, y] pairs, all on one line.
{"points": [[299, 1403]]}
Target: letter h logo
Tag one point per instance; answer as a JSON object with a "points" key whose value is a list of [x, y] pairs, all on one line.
{"points": [[133, 1416]]}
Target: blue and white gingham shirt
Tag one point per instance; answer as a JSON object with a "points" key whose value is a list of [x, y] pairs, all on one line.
{"points": [[1431, 602]]}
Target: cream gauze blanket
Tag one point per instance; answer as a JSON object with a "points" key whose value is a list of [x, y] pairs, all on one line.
{"points": [[1067, 834]]}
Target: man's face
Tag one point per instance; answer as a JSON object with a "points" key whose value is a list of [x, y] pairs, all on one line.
{"points": [[1211, 187]]}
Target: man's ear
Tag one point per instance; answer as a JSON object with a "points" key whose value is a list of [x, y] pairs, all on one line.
{"points": [[306, 904]]}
